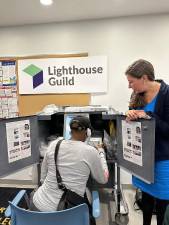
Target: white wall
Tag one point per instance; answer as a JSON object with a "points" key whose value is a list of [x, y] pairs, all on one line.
{"points": [[123, 40]]}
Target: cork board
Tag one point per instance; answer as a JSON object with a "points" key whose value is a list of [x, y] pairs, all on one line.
{"points": [[31, 104]]}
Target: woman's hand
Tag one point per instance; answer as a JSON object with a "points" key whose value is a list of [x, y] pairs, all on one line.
{"points": [[135, 114]]}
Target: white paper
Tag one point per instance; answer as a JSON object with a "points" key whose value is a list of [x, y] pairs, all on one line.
{"points": [[132, 142], [5, 75], [8, 92], [12, 70], [4, 106], [18, 140], [1, 71], [5, 113], [2, 92], [12, 114], [9, 75], [4, 101], [13, 109], [12, 102], [1, 80]]}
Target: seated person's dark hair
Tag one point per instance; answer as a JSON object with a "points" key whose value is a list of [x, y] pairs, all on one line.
{"points": [[80, 123]]}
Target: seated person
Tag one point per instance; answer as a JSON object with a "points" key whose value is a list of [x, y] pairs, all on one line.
{"points": [[76, 161]]}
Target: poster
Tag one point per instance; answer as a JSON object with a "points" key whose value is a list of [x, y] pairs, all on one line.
{"points": [[18, 140], [132, 142], [8, 90]]}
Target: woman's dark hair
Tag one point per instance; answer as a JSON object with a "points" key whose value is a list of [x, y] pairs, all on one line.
{"points": [[137, 100], [137, 70]]}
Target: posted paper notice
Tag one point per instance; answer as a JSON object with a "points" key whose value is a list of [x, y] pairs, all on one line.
{"points": [[18, 140], [132, 142]]}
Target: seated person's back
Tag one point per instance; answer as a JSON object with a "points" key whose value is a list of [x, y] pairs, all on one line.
{"points": [[76, 160]]}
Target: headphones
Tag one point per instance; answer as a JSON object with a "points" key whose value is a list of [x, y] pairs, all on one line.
{"points": [[78, 128], [88, 132]]}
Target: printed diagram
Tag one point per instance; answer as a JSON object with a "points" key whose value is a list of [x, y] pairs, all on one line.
{"points": [[18, 140], [132, 142]]}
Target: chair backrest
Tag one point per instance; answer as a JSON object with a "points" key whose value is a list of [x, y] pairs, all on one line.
{"points": [[78, 215]]}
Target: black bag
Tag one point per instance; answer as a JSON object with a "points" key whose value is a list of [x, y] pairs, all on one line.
{"points": [[70, 199], [62, 203]]}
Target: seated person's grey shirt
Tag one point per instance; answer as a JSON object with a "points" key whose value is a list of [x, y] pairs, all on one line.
{"points": [[76, 160]]}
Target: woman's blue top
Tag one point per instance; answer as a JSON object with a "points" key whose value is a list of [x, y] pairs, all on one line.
{"points": [[160, 188]]}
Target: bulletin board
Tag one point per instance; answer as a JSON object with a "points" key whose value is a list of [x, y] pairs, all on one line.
{"points": [[8, 89], [32, 104]]}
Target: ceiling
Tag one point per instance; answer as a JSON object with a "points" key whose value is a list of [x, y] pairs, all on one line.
{"points": [[21, 12]]}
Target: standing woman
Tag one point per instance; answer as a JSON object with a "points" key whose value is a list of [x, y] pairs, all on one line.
{"points": [[150, 98]]}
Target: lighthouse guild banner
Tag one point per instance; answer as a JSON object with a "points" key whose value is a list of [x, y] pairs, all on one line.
{"points": [[63, 75]]}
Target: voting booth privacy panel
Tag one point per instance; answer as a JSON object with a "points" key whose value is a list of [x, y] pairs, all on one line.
{"points": [[19, 143], [21, 139], [136, 147]]}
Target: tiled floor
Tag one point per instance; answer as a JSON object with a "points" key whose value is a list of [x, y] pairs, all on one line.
{"points": [[108, 209]]}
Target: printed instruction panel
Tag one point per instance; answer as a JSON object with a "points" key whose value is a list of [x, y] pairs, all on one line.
{"points": [[132, 142], [18, 140]]}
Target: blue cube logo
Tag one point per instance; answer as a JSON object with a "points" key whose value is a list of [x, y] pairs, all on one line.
{"points": [[36, 73]]}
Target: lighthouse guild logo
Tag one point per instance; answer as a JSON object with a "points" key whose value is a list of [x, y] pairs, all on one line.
{"points": [[36, 73]]}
